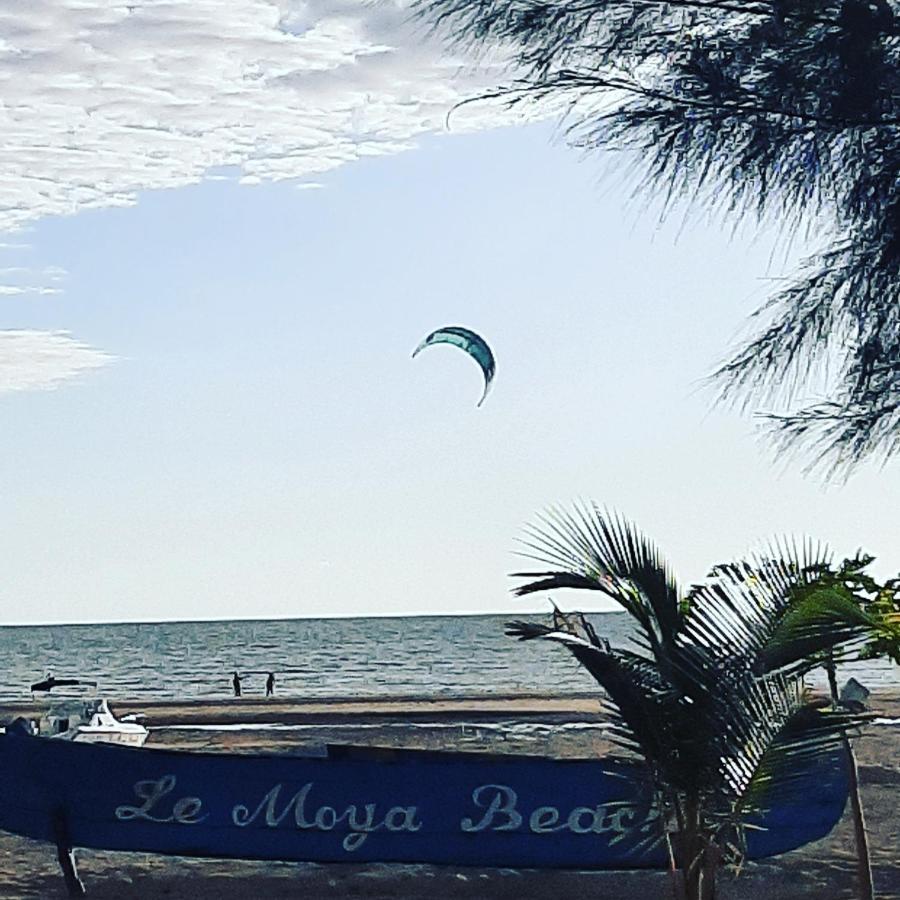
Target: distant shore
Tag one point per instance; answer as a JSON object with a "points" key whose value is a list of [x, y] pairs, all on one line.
{"points": [[565, 726]]}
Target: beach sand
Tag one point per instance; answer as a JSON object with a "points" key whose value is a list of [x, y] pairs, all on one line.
{"points": [[823, 870]]}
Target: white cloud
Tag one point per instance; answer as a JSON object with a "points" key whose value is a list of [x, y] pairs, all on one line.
{"points": [[103, 100], [27, 276], [14, 290], [42, 360], [54, 273]]}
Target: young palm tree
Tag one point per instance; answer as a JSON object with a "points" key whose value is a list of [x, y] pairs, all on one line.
{"points": [[723, 732]]}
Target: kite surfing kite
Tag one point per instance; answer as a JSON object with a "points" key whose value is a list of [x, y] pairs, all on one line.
{"points": [[472, 343]]}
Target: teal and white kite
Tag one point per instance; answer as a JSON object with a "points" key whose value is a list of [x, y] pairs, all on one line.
{"points": [[472, 343]]}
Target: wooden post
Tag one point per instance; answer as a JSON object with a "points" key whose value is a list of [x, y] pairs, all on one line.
{"points": [[863, 860], [65, 854]]}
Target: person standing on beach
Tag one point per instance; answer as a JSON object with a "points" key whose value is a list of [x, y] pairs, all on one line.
{"points": [[270, 685], [236, 681]]}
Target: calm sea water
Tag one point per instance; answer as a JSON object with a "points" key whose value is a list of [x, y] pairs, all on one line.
{"points": [[312, 658]]}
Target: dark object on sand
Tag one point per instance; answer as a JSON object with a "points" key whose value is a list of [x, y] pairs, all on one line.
{"points": [[236, 684], [50, 682], [270, 685], [854, 695], [371, 805], [20, 726]]}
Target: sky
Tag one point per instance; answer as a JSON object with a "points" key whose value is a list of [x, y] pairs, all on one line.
{"points": [[223, 230]]}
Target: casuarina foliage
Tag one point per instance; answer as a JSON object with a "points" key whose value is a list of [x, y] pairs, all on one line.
{"points": [[779, 109]]}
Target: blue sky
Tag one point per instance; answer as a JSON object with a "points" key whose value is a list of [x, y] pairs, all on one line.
{"points": [[250, 436]]}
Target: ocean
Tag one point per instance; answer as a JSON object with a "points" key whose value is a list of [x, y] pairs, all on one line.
{"points": [[430, 656]]}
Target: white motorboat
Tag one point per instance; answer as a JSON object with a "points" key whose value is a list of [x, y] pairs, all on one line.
{"points": [[90, 720]]}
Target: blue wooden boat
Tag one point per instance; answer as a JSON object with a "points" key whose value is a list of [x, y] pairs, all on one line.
{"points": [[358, 805]]}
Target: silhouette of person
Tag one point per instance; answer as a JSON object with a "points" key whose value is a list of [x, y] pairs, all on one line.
{"points": [[270, 685], [236, 681]]}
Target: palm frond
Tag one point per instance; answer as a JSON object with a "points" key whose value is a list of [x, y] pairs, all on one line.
{"points": [[526, 631], [824, 620], [803, 741], [757, 609], [548, 581], [599, 550], [634, 692]]}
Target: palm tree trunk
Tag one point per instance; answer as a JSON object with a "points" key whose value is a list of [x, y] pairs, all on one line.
{"points": [[686, 880], [712, 859], [697, 880], [863, 859]]}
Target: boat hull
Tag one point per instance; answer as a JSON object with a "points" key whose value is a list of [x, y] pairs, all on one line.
{"points": [[120, 737], [444, 808]]}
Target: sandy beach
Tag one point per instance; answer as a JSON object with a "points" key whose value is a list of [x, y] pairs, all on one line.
{"points": [[556, 727]]}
